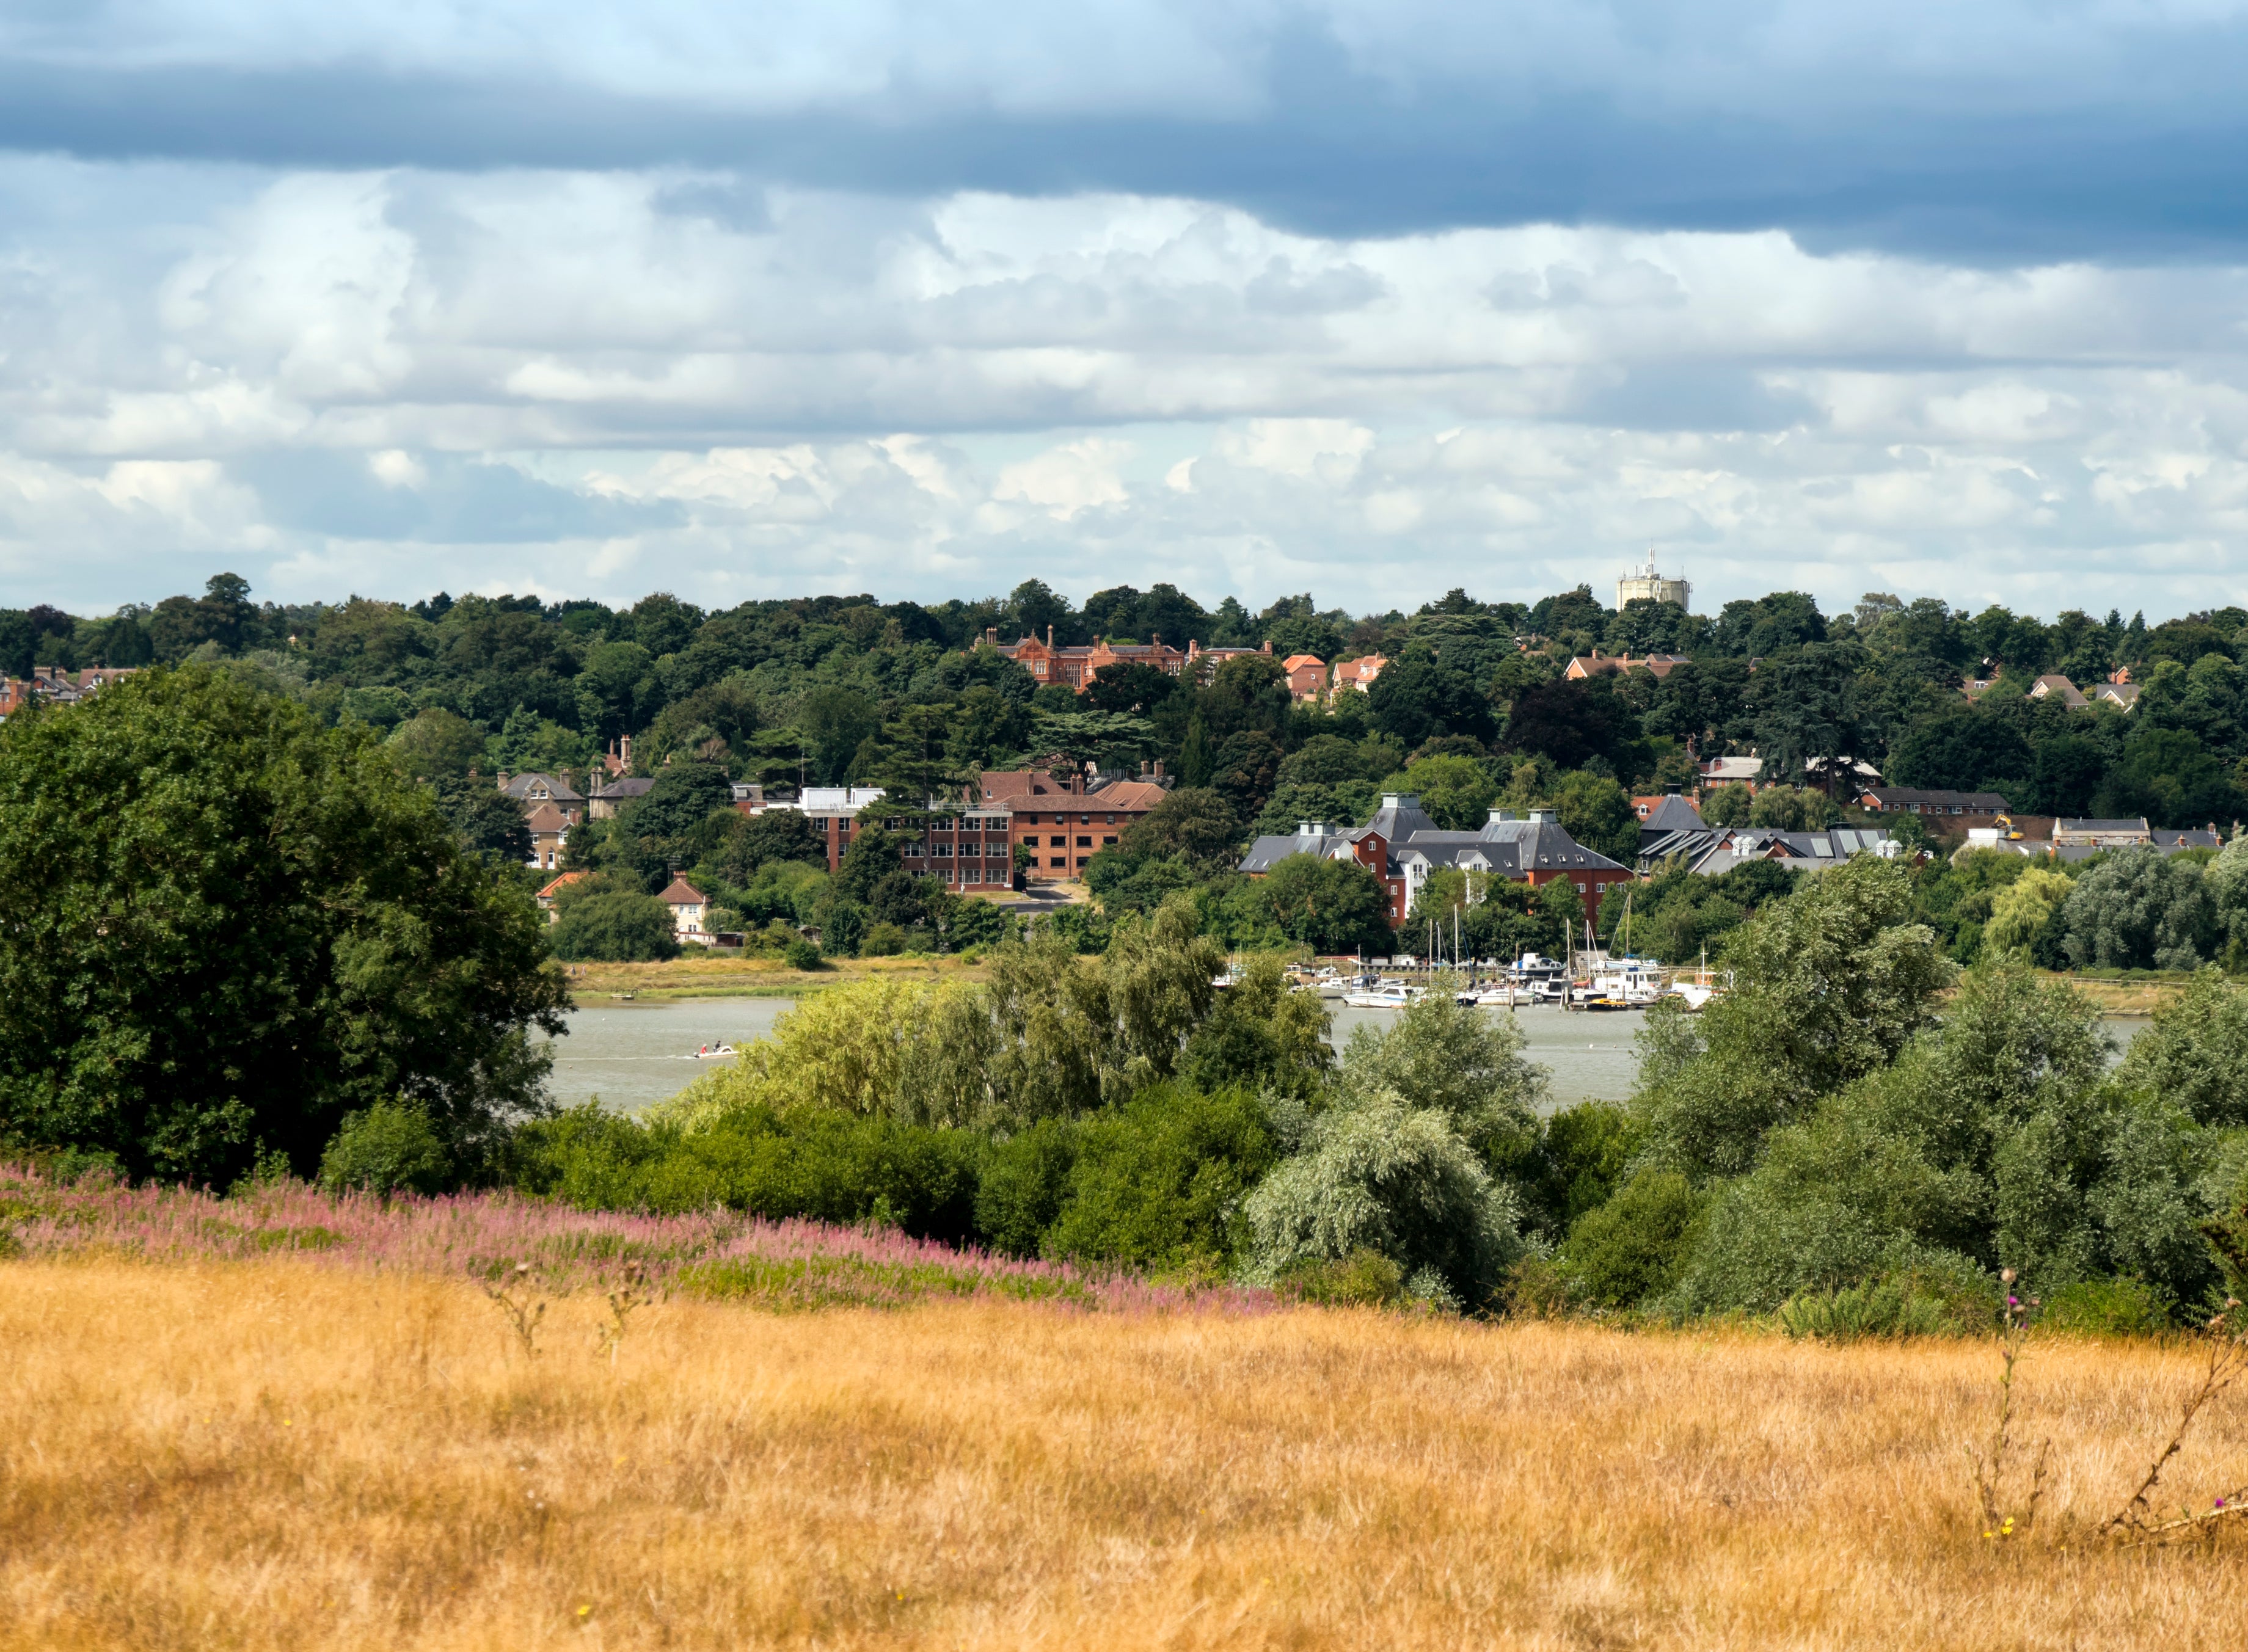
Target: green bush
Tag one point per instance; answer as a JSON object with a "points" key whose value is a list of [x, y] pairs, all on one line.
{"points": [[389, 1148], [1629, 1250], [807, 1162], [2106, 1309], [1887, 1307], [1363, 1279], [615, 927], [1571, 1164], [1024, 1184], [1159, 1181], [801, 955]]}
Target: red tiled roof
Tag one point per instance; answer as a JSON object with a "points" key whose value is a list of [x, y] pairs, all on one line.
{"points": [[683, 894]]}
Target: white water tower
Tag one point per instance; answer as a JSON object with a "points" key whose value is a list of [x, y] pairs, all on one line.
{"points": [[1648, 583]]}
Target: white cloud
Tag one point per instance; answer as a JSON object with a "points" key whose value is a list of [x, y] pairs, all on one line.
{"points": [[938, 397]]}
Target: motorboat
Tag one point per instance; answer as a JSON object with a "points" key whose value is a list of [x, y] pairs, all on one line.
{"points": [[1394, 996], [1620, 983], [720, 1053]]}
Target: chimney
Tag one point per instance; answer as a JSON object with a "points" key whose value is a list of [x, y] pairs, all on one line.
{"points": [[1268, 645], [1159, 768], [1500, 817], [1156, 637], [1541, 817], [503, 780], [1049, 636]]}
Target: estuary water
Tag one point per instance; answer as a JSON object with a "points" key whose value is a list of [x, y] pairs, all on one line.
{"points": [[627, 1055]]}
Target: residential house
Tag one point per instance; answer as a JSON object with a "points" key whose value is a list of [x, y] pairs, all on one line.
{"points": [[1984, 807], [1401, 847], [690, 910], [618, 759], [1717, 771], [1599, 665], [2052, 684], [550, 830], [1360, 673], [552, 893], [531, 790], [1669, 814], [56, 685], [1307, 676], [2119, 691], [2100, 834], [1713, 850], [607, 802]]}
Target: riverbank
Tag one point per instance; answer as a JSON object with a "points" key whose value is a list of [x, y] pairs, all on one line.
{"points": [[713, 976]]}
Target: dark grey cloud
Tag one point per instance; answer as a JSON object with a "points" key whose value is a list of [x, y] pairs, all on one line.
{"points": [[2104, 140]]}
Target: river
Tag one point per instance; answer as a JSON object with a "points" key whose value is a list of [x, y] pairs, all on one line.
{"points": [[625, 1055]]}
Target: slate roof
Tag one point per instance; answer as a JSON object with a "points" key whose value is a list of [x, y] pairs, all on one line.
{"points": [[2104, 828], [626, 789], [1674, 813], [519, 788], [1913, 799]]}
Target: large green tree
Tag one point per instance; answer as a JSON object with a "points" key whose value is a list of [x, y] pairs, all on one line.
{"points": [[223, 926]]}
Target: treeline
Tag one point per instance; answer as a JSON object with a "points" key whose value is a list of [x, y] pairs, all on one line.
{"points": [[837, 688]]}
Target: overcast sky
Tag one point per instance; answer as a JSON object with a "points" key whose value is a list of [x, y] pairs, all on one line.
{"points": [[1369, 298]]}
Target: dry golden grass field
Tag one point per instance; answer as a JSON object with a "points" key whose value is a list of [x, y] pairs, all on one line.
{"points": [[278, 1455]]}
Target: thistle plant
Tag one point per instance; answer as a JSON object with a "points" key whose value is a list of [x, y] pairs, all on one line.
{"points": [[2135, 1522], [1998, 1525], [631, 1293], [523, 1315]]}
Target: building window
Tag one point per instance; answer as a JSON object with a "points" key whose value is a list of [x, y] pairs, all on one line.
{"points": [[1058, 860], [1058, 843], [1085, 843], [1107, 843]]}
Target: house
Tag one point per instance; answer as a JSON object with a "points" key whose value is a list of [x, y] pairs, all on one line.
{"points": [[532, 790], [2122, 693], [1713, 850], [1307, 676], [548, 896], [1912, 800], [1360, 673], [608, 801], [1975, 688], [550, 829], [689, 909], [749, 796], [1402, 846], [2100, 834], [56, 685], [1667, 815], [1599, 665], [1717, 771], [2051, 684], [618, 759]]}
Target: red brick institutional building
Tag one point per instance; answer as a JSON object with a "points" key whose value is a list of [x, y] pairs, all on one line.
{"points": [[1080, 664]]}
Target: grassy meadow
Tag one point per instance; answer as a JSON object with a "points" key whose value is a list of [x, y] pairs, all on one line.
{"points": [[302, 1451]]}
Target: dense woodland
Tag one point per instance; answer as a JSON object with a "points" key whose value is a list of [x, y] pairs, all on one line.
{"points": [[1471, 711]]}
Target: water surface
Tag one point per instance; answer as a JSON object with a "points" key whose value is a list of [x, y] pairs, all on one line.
{"points": [[628, 1055]]}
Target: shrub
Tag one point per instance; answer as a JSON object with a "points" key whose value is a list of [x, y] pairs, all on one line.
{"points": [[2118, 1307], [882, 941], [616, 927], [1363, 1279], [1885, 1307], [1573, 1164], [1379, 1176], [389, 1148], [805, 1162], [802, 955], [1159, 1181], [1025, 1183], [1629, 1250]]}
